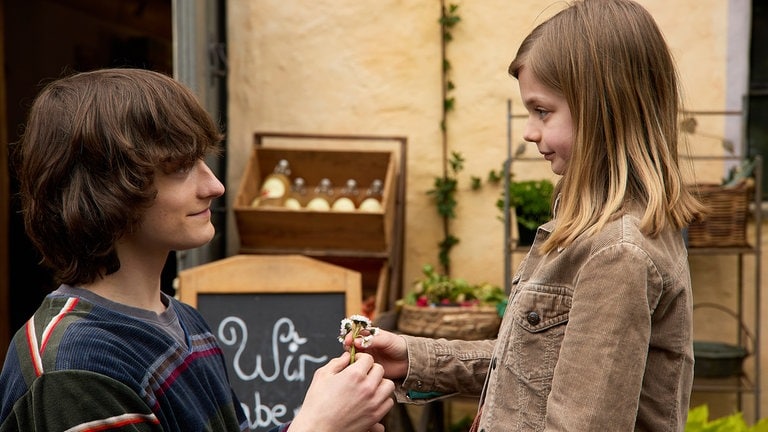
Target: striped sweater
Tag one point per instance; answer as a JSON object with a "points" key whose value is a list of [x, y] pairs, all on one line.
{"points": [[80, 366]]}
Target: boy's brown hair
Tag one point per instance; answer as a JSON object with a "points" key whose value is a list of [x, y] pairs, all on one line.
{"points": [[87, 160]]}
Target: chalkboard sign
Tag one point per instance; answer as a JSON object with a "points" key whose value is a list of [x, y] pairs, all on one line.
{"points": [[276, 319]]}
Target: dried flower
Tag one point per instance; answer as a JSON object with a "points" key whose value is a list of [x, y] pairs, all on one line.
{"points": [[355, 325]]}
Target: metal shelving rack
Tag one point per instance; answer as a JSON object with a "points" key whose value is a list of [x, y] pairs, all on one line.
{"points": [[742, 384]]}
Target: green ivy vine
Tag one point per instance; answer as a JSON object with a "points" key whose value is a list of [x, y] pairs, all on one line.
{"points": [[444, 195], [446, 186]]}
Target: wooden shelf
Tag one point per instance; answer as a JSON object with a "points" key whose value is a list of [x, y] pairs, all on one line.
{"points": [[742, 384], [738, 384], [745, 250]]}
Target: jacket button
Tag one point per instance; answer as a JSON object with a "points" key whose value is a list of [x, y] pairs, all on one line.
{"points": [[533, 318]]}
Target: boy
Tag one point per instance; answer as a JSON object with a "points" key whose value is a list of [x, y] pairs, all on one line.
{"points": [[113, 178]]}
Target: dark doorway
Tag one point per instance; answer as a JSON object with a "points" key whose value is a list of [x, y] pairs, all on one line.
{"points": [[757, 108], [44, 40]]}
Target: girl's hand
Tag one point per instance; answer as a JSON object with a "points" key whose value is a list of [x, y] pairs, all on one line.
{"points": [[387, 349]]}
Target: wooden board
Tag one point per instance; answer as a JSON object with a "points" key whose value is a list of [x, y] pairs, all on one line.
{"points": [[277, 320]]}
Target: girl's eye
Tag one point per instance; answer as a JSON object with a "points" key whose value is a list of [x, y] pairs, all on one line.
{"points": [[541, 112]]}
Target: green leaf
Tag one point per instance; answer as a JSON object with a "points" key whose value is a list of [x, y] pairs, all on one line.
{"points": [[494, 177], [475, 182], [445, 250], [760, 426], [732, 423], [697, 418], [698, 421], [449, 104], [457, 162]]}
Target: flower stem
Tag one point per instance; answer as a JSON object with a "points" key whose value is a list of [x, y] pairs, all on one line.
{"points": [[355, 333]]}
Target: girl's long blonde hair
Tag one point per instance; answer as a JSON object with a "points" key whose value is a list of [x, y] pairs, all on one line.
{"points": [[610, 61]]}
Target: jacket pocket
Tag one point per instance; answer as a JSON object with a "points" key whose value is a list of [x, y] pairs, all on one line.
{"points": [[540, 315]]}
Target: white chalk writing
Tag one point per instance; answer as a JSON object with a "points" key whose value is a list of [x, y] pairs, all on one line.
{"points": [[233, 332], [264, 415]]}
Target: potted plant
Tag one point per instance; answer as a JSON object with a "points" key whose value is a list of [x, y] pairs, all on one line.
{"points": [[442, 306], [532, 201]]}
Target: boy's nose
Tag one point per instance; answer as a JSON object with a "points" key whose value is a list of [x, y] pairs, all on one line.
{"points": [[213, 187]]}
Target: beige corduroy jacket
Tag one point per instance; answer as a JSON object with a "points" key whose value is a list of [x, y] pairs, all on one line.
{"points": [[596, 337]]}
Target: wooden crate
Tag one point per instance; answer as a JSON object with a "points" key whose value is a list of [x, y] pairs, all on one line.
{"points": [[279, 230]]}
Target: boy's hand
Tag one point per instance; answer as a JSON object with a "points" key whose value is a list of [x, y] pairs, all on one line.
{"points": [[344, 397]]}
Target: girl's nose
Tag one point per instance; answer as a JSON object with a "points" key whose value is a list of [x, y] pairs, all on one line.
{"points": [[531, 133]]}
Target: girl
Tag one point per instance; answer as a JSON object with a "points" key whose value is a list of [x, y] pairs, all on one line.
{"points": [[597, 334]]}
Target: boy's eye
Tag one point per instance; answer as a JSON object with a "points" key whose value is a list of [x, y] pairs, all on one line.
{"points": [[541, 112], [183, 169], [178, 167]]}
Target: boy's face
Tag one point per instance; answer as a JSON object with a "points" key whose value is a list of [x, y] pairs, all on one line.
{"points": [[549, 123], [180, 216]]}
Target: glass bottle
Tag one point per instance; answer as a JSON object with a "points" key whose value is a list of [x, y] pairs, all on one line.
{"points": [[348, 197], [298, 196], [372, 198], [274, 189], [322, 196]]}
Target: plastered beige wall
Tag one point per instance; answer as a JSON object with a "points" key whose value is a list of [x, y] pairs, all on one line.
{"points": [[374, 68]]}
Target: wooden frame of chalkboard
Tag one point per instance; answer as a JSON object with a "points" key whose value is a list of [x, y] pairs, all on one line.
{"points": [[270, 274], [276, 318]]}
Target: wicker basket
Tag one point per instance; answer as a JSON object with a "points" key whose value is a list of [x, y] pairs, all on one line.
{"points": [[450, 322], [726, 223]]}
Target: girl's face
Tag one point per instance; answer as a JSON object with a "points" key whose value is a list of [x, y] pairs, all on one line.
{"points": [[549, 123]]}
